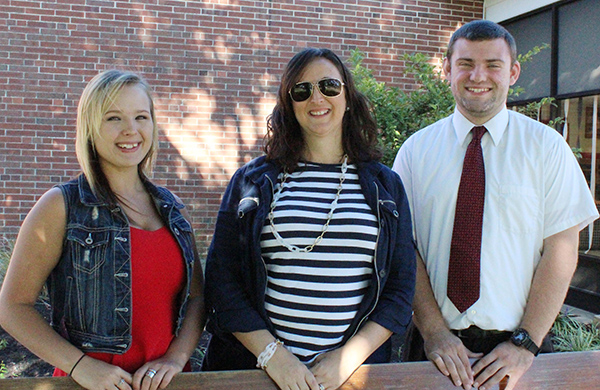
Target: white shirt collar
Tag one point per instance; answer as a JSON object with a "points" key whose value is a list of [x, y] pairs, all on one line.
{"points": [[495, 126]]}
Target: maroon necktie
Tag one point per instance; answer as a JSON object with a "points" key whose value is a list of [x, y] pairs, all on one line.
{"points": [[465, 249]]}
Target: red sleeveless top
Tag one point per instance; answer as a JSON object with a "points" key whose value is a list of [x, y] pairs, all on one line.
{"points": [[157, 279]]}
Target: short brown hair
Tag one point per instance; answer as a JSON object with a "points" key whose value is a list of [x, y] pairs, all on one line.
{"points": [[483, 30]]}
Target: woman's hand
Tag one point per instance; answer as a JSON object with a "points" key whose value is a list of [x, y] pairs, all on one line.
{"points": [[333, 368], [283, 367], [290, 373], [331, 371], [94, 374], [156, 374]]}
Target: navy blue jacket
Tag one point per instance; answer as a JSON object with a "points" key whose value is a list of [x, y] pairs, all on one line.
{"points": [[236, 275]]}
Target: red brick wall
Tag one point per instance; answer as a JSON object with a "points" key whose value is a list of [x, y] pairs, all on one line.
{"points": [[214, 65]]}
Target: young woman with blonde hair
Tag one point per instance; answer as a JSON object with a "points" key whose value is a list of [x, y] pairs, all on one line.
{"points": [[116, 252]]}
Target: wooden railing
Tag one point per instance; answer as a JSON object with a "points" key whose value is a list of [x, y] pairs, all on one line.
{"points": [[570, 371]]}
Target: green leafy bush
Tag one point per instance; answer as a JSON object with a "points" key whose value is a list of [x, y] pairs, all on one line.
{"points": [[570, 334], [399, 114]]}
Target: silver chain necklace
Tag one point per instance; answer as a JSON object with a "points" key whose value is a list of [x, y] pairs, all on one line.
{"points": [[277, 195]]}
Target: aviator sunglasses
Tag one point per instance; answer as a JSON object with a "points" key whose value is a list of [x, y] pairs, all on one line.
{"points": [[328, 88]]}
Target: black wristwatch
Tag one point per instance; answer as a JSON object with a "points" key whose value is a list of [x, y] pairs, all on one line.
{"points": [[521, 338]]}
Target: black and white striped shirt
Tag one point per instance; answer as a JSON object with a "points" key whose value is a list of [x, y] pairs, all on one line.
{"points": [[312, 297]]}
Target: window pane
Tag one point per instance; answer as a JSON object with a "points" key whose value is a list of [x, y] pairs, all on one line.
{"points": [[578, 42], [579, 113], [535, 74]]}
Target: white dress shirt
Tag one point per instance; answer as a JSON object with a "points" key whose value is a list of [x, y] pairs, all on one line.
{"points": [[534, 189]]}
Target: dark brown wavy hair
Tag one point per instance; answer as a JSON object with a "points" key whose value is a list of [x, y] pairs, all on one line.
{"points": [[284, 142]]}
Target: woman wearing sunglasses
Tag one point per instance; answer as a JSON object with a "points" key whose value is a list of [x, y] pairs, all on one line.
{"points": [[311, 267]]}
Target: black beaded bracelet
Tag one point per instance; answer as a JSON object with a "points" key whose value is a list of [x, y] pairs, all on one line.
{"points": [[76, 363]]}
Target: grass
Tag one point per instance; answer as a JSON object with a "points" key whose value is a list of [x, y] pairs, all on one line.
{"points": [[3, 370], [198, 356], [6, 247], [570, 334]]}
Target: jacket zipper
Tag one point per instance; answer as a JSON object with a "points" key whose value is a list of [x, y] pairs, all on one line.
{"points": [[261, 258], [379, 202]]}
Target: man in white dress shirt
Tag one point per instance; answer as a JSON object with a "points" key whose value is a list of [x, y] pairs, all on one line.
{"points": [[536, 202]]}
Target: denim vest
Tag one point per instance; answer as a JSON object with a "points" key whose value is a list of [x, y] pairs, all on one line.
{"points": [[90, 288]]}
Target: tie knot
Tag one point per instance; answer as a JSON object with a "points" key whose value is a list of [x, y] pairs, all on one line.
{"points": [[478, 132]]}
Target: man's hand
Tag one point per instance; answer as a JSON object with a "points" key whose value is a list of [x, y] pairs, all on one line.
{"points": [[451, 357], [505, 360]]}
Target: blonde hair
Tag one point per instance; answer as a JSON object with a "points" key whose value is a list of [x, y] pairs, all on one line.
{"points": [[96, 99]]}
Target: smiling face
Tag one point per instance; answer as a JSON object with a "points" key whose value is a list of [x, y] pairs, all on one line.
{"points": [[480, 74], [126, 131], [320, 117]]}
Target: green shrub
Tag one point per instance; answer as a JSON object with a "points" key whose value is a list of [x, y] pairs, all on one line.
{"points": [[399, 114], [569, 334]]}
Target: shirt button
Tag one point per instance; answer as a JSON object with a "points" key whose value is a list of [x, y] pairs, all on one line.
{"points": [[473, 312]]}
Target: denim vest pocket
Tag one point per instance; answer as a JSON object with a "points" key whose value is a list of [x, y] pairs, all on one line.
{"points": [[89, 248]]}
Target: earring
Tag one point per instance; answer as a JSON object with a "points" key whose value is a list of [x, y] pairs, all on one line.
{"points": [[347, 108]]}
